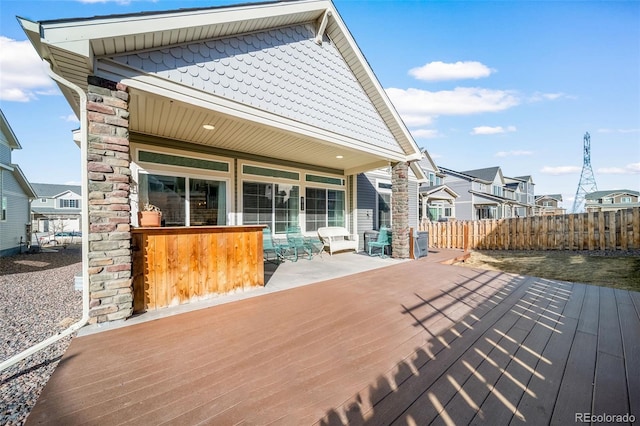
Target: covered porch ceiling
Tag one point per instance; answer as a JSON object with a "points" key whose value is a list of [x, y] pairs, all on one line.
{"points": [[172, 119]]}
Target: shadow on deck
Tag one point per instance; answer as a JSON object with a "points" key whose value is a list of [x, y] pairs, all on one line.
{"points": [[413, 343]]}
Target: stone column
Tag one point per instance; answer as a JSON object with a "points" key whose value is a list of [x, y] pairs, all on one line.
{"points": [[400, 210], [109, 173]]}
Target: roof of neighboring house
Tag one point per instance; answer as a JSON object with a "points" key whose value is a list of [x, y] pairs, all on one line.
{"points": [[54, 211], [6, 130], [488, 174], [52, 190], [431, 190], [557, 197], [611, 192]]}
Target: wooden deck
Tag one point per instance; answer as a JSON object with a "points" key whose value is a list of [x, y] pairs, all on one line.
{"points": [[414, 343]]}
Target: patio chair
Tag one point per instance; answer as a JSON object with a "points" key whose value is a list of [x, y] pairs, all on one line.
{"points": [[271, 252], [297, 241], [382, 242]]}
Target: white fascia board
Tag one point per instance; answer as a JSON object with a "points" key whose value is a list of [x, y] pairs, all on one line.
{"points": [[418, 172], [24, 183], [165, 88], [415, 153], [71, 31], [7, 131]]}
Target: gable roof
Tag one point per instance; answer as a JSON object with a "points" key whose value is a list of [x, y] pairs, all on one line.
{"points": [[77, 48], [7, 132], [557, 197], [611, 192], [438, 191], [23, 182], [488, 174], [52, 190]]}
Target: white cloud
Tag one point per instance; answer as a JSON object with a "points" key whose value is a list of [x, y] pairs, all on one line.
{"points": [[71, 118], [23, 75], [418, 107], [425, 133], [629, 169], [440, 71], [560, 170], [539, 96], [516, 153], [487, 130]]}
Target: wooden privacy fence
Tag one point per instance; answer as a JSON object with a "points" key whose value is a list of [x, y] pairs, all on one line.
{"points": [[586, 231]]}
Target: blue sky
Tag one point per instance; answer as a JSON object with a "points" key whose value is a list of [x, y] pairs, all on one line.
{"points": [[514, 84]]}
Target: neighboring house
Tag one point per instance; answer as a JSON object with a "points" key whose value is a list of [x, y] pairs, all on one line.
{"points": [[15, 195], [436, 199], [611, 200], [57, 208], [255, 114], [523, 192], [487, 194], [549, 204]]}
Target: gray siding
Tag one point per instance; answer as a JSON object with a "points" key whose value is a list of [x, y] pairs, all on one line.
{"points": [[5, 153], [366, 206], [17, 215], [282, 71], [464, 206], [413, 205]]}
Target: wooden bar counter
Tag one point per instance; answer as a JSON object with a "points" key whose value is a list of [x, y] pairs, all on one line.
{"points": [[178, 265]]}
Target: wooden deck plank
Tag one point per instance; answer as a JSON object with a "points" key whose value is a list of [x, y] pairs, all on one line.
{"points": [[501, 404], [610, 390], [545, 381], [580, 368], [362, 349], [393, 404], [630, 328]]}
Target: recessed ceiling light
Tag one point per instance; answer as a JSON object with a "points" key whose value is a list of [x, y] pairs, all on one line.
{"points": [[208, 126], [339, 156]]}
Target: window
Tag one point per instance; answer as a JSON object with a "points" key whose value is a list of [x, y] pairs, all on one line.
{"points": [[432, 179], [69, 204], [607, 200], [384, 210], [625, 199], [185, 201], [497, 190], [324, 207], [3, 214], [273, 204]]}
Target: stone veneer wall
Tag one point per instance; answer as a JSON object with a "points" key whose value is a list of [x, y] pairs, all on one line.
{"points": [[109, 173], [400, 210]]}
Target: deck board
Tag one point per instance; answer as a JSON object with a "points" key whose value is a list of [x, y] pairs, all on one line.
{"points": [[415, 342]]}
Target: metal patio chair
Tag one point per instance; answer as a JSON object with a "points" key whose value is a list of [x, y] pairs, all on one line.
{"points": [[382, 242]]}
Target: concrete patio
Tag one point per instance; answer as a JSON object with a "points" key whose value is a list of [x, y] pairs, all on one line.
{"points": [[414, 342]]}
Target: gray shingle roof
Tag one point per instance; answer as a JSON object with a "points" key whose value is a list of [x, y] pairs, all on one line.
{"points": [[552, 196], [48, 190], [599, 194], [488, 174]]}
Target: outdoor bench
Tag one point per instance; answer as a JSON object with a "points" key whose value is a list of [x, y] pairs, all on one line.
{"points": [[337, 238]]}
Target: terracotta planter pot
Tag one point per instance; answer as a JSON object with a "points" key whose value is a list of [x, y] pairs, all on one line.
{"points": [[149, 218]]}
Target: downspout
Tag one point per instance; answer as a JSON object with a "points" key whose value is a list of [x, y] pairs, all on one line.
{"points": [[85, 231]]}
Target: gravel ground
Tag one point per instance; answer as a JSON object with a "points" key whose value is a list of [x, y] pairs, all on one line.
{"points": [[37, 300]]}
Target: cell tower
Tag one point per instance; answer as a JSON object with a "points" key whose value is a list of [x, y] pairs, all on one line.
{"points": [[587, 180]]}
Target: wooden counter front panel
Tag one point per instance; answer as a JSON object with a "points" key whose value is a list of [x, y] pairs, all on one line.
{"points": [[177, 268]]}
